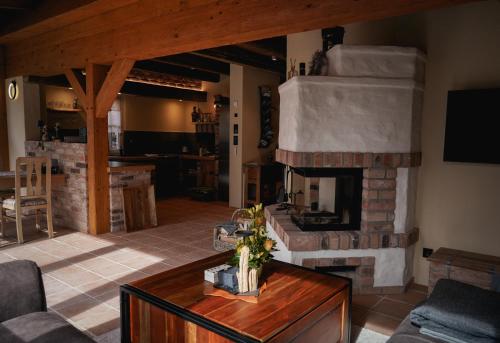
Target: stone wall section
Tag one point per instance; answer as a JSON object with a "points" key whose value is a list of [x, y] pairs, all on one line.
{"points": [[69, 201]]}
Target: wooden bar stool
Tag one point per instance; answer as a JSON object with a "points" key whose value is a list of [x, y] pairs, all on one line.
{"points": [[32, 192]]}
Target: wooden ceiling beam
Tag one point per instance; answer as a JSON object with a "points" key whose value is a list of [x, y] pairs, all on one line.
{"points": [[163, 32], [197, 62], [50, 15], [77, 87], [236, 54], [15, 4], [159, 66], [112, 85], [132, 88], [148, 90]]}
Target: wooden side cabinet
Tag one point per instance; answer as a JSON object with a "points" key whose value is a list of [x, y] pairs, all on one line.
{"points": [[262, 183], [299, 305], [472, 268]]}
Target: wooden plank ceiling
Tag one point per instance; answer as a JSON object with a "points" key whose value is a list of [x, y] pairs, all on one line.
{"points": [[146, 29]]}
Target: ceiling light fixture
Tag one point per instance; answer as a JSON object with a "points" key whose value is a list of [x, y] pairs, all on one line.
{"points": [[274, 58]]}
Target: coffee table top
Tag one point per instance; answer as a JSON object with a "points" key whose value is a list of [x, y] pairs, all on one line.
{"points": [[292, 292]]}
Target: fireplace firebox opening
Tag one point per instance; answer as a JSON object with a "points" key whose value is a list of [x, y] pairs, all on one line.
{"points": [[335, 196]]}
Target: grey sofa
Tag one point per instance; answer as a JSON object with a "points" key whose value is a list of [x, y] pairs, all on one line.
{"points": [[23, 308]]}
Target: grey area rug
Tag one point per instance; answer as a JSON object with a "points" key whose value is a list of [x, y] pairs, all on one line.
{"points": [[362, 335], [358, 335]]}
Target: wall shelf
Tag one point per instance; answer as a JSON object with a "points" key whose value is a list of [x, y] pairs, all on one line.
{"points": [[64, 109], [208, 123]]}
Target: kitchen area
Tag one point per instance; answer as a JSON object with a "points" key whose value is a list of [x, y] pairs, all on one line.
{"points": [[191, 127], [159, 148]]}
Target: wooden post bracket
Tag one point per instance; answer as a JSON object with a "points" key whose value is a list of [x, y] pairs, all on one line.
{"points": [[112, 84]]}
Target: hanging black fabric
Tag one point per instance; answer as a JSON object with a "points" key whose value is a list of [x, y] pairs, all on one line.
{"points": [[266, 130]]}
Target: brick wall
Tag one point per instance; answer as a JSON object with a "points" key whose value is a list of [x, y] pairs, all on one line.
{"points": [[379, 199], [69, 201]]}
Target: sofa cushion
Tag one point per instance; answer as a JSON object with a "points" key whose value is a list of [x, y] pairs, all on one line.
{"points": [[21, 289], [40, 327]]}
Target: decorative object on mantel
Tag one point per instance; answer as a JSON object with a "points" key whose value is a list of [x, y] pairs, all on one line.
{"points": [[319, 64], [293, 69], [332, 36]]}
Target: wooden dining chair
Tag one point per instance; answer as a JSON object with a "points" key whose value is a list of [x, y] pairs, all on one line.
{"points": [[33, 192]]}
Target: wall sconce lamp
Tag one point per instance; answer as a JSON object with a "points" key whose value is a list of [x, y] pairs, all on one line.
{"points": [[13, 90]]}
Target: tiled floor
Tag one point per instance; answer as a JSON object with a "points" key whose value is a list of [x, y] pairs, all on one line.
{"points": [[383, 313], [82, 272]]}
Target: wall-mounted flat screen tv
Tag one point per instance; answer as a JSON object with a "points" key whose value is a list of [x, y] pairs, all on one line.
{"points": [[472, 126]]}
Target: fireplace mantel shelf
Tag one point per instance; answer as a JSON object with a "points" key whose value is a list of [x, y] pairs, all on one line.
{"points": [[348, 159]]}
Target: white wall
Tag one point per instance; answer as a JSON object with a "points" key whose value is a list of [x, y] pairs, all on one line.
{"points": [[457, 203], [235, 151], [23, 114], [141, 113], [245, 100]]}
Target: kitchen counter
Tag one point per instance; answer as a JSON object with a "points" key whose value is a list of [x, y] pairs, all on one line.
{"points": [[116, 166], [198, 157], [137, 158]]}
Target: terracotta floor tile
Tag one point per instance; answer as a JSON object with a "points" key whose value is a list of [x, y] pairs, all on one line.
{"points": [[72, 302], [52, 285], [111, 298], [380, 323], [99, 287], [105, 267], [121, 279], [419, 288], [358, 315], [74, 276], [367, 301], [411, 297], [64, 298], [393, 308]]}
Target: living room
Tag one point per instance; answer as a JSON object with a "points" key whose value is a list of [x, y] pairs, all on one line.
{"points": [[448, 202]]}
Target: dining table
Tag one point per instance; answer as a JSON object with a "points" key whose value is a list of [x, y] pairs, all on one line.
{"points": [[8, 179]]}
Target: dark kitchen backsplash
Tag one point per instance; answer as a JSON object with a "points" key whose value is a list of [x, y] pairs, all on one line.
{"points": [[148, 142]]}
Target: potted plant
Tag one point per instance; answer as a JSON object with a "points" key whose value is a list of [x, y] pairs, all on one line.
{"points": [[253, 250]]}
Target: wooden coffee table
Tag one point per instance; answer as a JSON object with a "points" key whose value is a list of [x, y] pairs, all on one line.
{"points": [[299, 305]]}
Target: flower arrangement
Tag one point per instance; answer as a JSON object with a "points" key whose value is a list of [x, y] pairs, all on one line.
{"points": [[252, 250]]}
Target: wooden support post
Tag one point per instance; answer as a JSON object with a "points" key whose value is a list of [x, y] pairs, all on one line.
{"points": [[101, 89], [97, 154], [4, 142]]}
